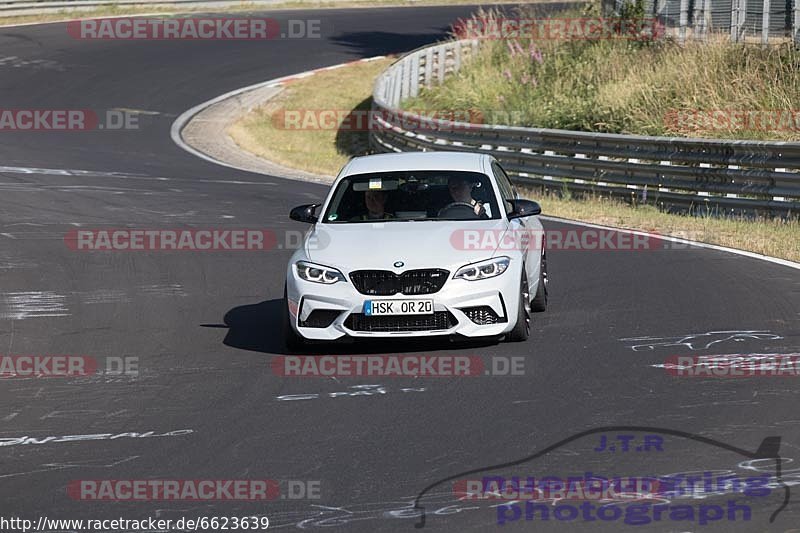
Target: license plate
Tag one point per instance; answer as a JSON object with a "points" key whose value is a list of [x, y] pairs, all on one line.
{"points": [[398, 307]]}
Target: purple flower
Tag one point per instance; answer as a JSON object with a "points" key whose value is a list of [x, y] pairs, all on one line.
{"points": [[507, 74], [536, 55]]}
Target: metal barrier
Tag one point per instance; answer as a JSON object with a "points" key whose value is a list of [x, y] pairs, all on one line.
{"points": [[675, 173], [766, 20]]}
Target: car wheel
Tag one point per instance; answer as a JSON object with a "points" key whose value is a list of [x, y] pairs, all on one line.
{"points": [[539, 302], [522, 329], [294, 342]]}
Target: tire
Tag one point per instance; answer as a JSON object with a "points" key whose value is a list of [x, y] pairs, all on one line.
{"points": [[522, 329], [294, 342], [539, 302]]}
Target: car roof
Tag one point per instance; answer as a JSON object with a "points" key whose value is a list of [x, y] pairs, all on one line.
{"points": [[459, 161]]}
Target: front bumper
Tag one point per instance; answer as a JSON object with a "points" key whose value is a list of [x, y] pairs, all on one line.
{"points": [[337, 310]]}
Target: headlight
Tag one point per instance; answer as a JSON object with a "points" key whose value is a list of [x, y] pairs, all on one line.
{"points": [[484, 269], [318, 273]]}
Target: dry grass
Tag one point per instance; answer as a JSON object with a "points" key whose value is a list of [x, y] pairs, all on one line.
{"points": [[320, 150], [625, 86], [773, 237]]}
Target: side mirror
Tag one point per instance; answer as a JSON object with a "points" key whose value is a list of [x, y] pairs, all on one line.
{"points": [[304, 213], [524, 208]]}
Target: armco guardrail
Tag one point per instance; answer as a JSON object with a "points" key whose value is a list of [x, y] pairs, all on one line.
{"points": [[675, 173]]}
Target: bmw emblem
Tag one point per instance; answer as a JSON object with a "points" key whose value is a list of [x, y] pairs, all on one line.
{"points": [[398, 264]]}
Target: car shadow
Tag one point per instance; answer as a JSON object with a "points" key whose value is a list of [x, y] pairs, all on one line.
{"points": [[354, 140], [257, 328], [372, 43]]}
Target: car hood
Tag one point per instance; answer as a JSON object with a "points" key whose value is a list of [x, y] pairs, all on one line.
{"points": [[420, 244]]}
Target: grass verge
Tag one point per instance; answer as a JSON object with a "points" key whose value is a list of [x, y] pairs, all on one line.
{"points": [[621, 85], [316, 145], [325, 151], [773, 237]]}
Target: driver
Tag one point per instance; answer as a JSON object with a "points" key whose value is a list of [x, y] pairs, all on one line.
{"points": [[375, 201], [460, 188]]}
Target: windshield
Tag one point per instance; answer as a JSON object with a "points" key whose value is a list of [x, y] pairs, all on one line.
{"points": [[412, 195]]}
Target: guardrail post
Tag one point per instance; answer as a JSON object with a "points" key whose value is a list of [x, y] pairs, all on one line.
{"points": [[414, 78], [697, 20], [387, 87], [742, 19], [379, 87], [406, 79], [738, 17], [706, 18], [396, 86], [441, 55], [796, 24], [428, 67], [684, 21], [765, 24]]}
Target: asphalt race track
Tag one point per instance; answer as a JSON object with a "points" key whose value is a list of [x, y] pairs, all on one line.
{"points": [[204, 327]]}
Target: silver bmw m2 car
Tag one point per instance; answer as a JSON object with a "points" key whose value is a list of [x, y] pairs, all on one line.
{"points": [[417, 244]]}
